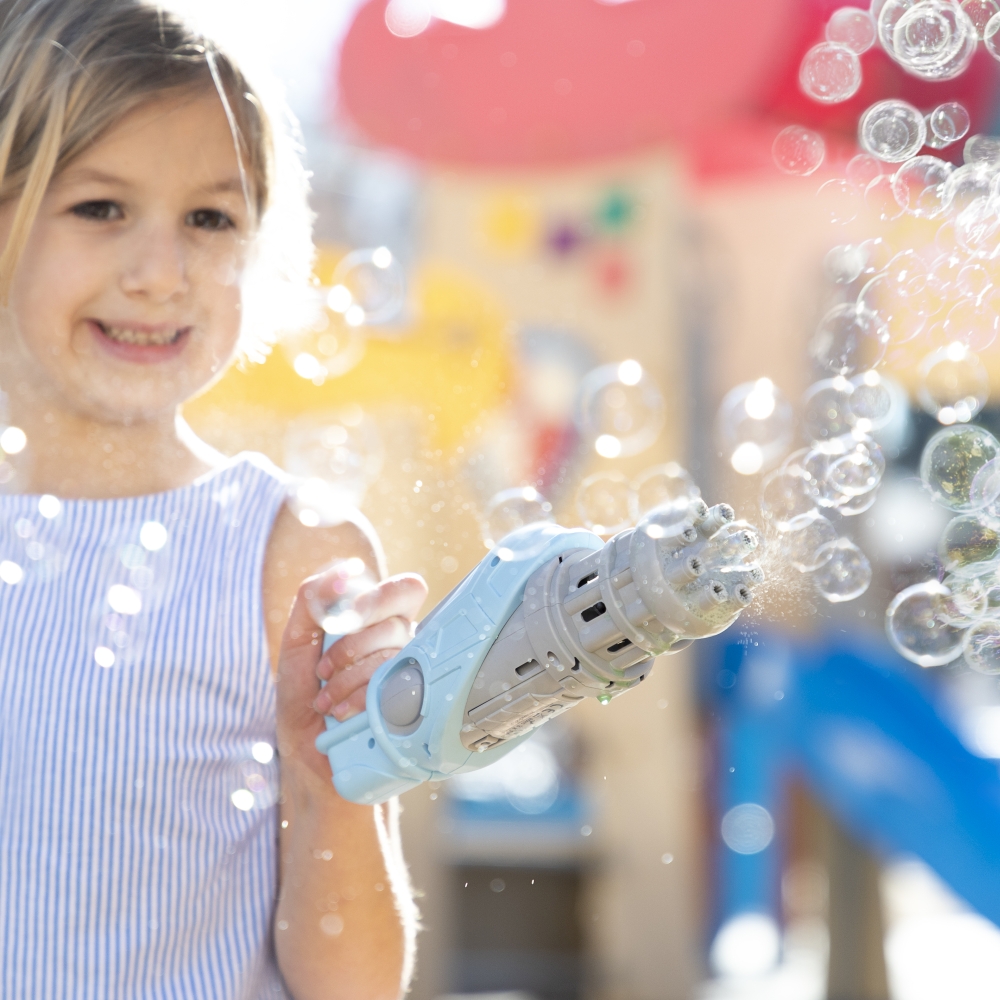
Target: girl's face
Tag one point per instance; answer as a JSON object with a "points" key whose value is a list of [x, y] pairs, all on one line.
{"points": [[126, 301]]}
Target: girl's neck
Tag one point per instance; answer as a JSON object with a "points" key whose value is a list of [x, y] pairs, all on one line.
{"points": [[75, 457]]}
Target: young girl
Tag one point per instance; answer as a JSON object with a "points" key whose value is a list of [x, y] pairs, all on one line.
{"points": [[152, 844]]}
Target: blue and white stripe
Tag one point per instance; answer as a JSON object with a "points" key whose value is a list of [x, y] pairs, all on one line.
{"points": [[126, 870]]}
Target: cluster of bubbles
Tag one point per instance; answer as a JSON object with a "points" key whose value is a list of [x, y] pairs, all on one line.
{"points": [[368, 289], [837, 475], [931, 39], [940, 301], [935, 622]]}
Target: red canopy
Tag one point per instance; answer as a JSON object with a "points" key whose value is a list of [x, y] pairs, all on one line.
{"points": [[562, 81], [557, 81]]}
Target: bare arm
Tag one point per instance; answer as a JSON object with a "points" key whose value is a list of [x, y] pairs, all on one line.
{"points": [[346, 921]]}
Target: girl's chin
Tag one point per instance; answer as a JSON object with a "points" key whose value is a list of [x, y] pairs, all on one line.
{"points": [[137, 354]]}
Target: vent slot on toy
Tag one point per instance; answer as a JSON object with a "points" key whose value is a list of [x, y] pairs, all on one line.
{"points": [[594, 611], [528, 669]]}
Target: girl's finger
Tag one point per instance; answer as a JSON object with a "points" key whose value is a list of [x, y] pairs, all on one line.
{"points": [[353, 705], [400, 596], [349, 680], [392, 633]]}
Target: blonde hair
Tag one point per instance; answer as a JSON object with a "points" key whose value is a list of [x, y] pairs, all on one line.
{"points": [[70, 69]]}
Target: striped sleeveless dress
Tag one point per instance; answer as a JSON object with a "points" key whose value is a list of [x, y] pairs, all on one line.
{"points": [[138, 786]]}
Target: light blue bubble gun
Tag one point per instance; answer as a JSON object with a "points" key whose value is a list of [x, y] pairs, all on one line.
{"points": [[551, 616]]}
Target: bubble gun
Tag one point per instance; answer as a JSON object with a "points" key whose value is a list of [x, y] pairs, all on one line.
{"points": [[550, 617]]}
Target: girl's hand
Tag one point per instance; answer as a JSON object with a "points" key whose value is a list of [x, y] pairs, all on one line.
{"points": [[387, 611]]}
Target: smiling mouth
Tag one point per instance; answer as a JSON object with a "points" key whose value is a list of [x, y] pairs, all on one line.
{"points": [[142, 338]]}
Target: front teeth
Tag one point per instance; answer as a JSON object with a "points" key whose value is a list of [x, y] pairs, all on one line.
{"points": [[140, 337]]}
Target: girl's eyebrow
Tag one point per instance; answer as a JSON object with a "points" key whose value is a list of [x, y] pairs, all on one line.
{"points": [[79, 175], [231, 184]]}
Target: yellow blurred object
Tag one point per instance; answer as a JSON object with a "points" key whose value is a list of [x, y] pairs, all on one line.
{"points": [[510, 223], [453, 363]]}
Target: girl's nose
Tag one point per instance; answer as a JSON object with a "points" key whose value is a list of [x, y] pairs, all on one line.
{"points": [[155, 265]]}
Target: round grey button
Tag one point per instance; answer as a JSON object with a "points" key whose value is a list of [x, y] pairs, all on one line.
{"points": [[401, 695]]}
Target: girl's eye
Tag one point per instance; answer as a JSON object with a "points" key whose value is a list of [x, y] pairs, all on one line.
{"points": [[210, 219], [100, 211]]}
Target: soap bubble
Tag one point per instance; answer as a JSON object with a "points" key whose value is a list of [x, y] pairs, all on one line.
{"points": [[974, 280], [932, 39], [977, 225], [892, 130], [747, 828], [982, 149], [662, 484], [904, 315], [979, 12], [849, 338], [512, 509], [621, 402], [784, 495], [965, 601], [950, 461], [918, 186], [755, 414], [991, 36], [840, 201], [603, 502], [798, 150], [926, 36], [878, 253], [935, 40], [981, 645], [805, 544], [851, 27], [830, 73], [966, 185], [862, 169], [816, 465], [859, 504], [339, 447], [331, 598], [881, 200], [338, 349], [905, 268], [967, 544], [886, 14], [953, 384], [368, 286], [971, 323], [859, 470], [826, 409], [845, 572], [947, 123], [917, 629], [871, 400], [985, 487], [942, 276], [844, 264]]}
